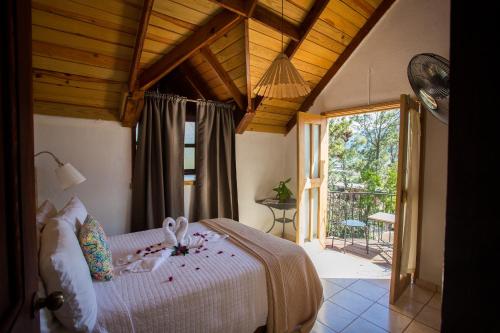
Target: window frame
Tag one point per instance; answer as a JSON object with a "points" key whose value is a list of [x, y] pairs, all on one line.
{"points": [[190, 145]]}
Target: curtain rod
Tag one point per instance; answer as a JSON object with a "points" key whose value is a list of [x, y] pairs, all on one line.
{"points": [[155, 93]]}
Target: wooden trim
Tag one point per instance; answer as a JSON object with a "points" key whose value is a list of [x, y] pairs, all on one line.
{"points": [[205, 35], [423, 118], [224, 77], [384, 106], [147, 7], [305, 27], [362, 33], [189, 182], [397, 284]]}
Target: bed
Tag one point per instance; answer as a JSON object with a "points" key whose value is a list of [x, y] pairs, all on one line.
{"points": [[248, 282]]}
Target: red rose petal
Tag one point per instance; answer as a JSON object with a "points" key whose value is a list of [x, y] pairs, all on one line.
{"points": [[197, 268], [138, 251], [220, 252], [183, 265], [170, 278]]}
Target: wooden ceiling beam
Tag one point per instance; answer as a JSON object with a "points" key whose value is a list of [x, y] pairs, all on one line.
{"points": [[133, 108], [236, 6], [250, 9], [139, 43], [205, 35], [231, 88], [134, 98], [247, 117], [273, 21], [362, 33], [306, 26]]}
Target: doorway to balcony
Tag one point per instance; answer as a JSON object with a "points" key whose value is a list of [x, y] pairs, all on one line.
{"points": [[362, 181]]}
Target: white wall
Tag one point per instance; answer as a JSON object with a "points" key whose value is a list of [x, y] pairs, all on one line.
{"points": [[260, 165], [101, 150], [408, 28]]}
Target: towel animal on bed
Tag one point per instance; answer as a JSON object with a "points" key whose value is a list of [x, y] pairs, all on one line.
{"points": [[149, 258]]}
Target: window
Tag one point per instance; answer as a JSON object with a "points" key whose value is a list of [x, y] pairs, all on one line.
{"points": [[189, 150]]}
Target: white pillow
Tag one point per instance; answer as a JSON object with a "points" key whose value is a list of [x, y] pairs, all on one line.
{"points": [[45, 211], [73, 213], [63, 268]]}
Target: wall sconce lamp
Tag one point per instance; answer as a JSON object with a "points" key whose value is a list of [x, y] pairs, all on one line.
{"points": [[66, 174]]}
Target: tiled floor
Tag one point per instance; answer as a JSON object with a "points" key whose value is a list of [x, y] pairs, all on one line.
{"points": [[356, 293], [362, 305]]}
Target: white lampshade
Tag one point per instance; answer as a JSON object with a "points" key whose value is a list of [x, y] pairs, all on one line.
{"points": [[68, 176]]}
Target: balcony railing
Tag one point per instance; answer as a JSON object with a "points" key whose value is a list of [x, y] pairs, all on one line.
{"points": [[356, 206]]}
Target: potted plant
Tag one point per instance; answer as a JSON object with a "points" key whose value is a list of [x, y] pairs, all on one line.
{"points": [[283, 193]]}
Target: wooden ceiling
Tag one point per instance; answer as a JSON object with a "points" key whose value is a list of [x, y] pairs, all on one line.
{"points": [[94, 58]]}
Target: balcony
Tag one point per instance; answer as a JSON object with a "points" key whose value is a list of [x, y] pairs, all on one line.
{"points": [[359, 206]]}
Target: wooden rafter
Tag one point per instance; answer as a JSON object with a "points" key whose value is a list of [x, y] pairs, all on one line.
{"points": [[250, 9], [133, 108], [367, 27], [224, 77], [133, 98], [139, 43], [205, 35], [305, 27], [196, 81], [273, 21], [247, 117]]}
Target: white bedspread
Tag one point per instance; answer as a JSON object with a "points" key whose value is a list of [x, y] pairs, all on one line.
{"points": [[227, 293]]}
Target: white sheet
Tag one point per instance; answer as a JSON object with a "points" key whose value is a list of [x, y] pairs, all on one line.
{"points": [[226, 294]]}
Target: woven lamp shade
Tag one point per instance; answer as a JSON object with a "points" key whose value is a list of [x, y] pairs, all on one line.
{"points": [[282, 80]]}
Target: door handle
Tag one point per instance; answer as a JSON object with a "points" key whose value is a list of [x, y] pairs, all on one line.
{"points": [[52, 302]]}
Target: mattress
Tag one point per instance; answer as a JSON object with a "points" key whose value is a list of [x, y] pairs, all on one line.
{"points": [[221, 289]]}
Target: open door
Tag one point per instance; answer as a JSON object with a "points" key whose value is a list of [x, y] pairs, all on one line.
{"points": [[312, 177], [407, 197], [18, 252]]}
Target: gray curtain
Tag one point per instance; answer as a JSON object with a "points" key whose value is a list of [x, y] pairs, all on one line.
{"points": [[158, 176], [215, 186]]}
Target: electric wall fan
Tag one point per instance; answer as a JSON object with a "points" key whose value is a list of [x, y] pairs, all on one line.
{"points": [[429, 78]]}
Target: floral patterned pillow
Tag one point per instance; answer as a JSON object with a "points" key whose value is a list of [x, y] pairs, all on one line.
{"points": [[96, 249]]}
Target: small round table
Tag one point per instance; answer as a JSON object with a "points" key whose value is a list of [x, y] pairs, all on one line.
{"points": [[283, 206]]}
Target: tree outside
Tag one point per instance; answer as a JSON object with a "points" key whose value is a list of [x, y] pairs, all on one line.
{"points": [[363, 159]]}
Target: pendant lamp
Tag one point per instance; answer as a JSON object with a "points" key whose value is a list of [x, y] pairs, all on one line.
{"points": [[282, 80]]}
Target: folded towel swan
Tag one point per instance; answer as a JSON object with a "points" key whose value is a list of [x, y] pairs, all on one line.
{"points": [[175, 232]]}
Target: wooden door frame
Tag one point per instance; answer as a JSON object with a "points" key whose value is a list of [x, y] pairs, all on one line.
{"points": [[322, 185], [396, 288], [17, 154]]}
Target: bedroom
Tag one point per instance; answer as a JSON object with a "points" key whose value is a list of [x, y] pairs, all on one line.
{"points": [[89, 65]]}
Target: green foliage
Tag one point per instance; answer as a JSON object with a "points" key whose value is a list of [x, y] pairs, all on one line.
{"points": [[283, 193], [363, 152]]}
